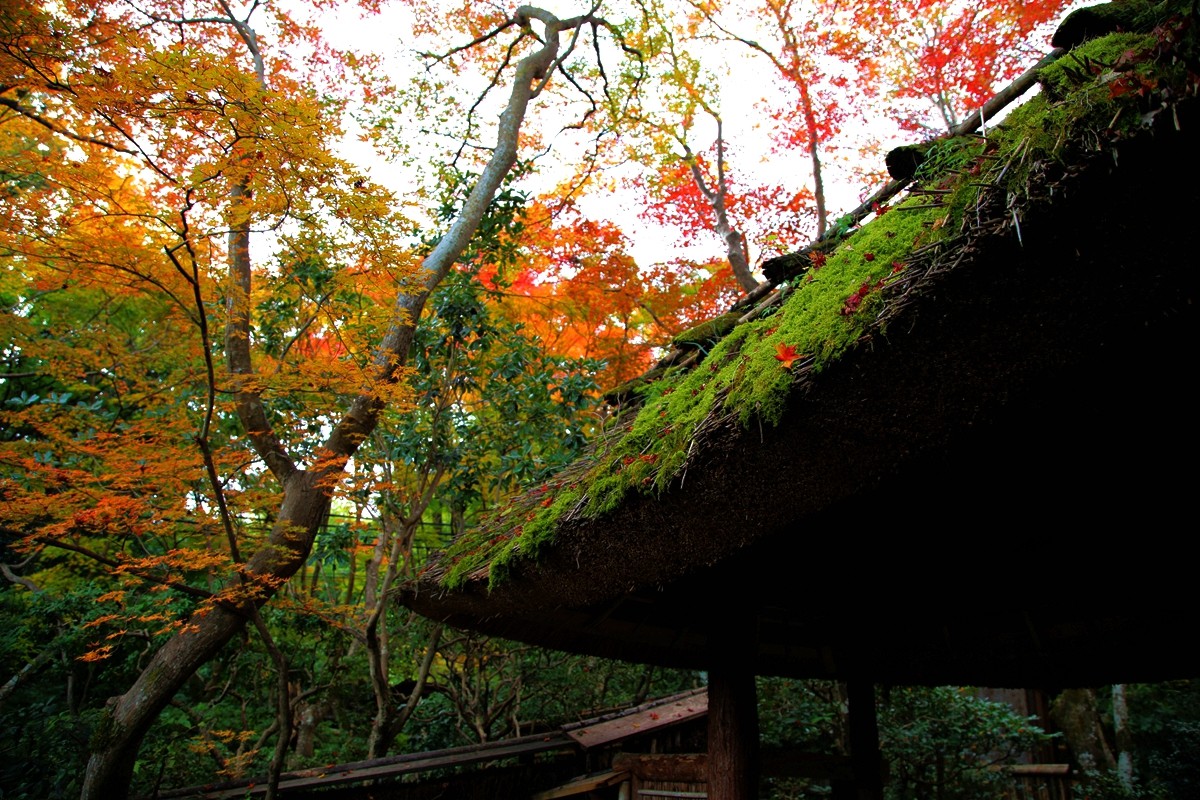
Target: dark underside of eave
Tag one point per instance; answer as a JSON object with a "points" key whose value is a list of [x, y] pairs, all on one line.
{"points": [[998, 493]]}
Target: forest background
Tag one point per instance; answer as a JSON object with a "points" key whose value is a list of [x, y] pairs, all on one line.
{"points": [[249, 381]]}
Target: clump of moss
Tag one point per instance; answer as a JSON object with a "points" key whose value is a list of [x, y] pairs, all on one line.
{"points": [[707, 332], [1127, 15], [632, 388], [1090, 65], [828, 311]]}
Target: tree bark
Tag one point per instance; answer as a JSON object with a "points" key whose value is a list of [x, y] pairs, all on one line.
{"points": [[1074, 711], [735, 242], [1122, 736], [810, 123]]}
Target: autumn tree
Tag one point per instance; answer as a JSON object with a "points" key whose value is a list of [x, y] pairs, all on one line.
{"points": [[952, 55], [574, 285], [685, 93], [676, 133], [150, 146], [810, 48]]}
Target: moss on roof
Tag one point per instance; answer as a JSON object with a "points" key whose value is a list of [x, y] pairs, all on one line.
{"points": [[1103, 90]]}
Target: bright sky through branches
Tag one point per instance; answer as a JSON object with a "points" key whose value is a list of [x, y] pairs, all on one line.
{"points": [[748, 96]]}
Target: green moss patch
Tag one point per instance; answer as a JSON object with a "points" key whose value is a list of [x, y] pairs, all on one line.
{"points": [[706, 333]]}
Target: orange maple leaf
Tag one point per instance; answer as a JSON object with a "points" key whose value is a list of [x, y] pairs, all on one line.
{"points": [[787, 355]]}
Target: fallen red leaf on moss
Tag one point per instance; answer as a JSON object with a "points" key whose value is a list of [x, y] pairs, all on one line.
{"points": [[855, 300], [787, 355]]}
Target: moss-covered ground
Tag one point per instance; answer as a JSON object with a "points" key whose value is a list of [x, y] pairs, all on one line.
{"points": [[1104, 89]]}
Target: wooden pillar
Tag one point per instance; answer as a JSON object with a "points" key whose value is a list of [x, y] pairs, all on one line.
{"points": [[866, 762], [732, 735]]}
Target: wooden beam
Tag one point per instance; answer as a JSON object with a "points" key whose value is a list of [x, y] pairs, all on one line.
{"points": [[680, 767], [389, 767], [732, 735], [1037, 769], [585, 783], [645, 721]]}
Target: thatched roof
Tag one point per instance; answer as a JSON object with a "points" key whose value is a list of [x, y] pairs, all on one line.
{"points": [[985, 442]]}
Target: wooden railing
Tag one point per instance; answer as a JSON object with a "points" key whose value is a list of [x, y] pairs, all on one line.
{"points": [[1040, 782]]}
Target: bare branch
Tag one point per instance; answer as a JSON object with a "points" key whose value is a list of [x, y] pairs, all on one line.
{"points": [[492, 83], [38, 662], [283, 716], [492, 34], [202, 442], [12, 577], [250, 38]]}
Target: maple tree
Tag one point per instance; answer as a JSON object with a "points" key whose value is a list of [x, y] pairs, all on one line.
{"points": [[690, 186], [812, 48], [574, 286], [160, 142], [685, 93], [954, 55]]}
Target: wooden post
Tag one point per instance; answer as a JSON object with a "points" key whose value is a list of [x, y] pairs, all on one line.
{"points": [[732, 735], [866, 762]]}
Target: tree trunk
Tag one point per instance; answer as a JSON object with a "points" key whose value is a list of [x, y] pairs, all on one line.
{"points": [[1122, 737], [117, 739], [390, 719], [1074, 712], [309, 717], [810, 123], [735, 242]]}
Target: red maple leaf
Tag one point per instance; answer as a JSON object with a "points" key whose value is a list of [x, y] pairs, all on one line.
{"points": [[855, 300], [787, 355]]}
